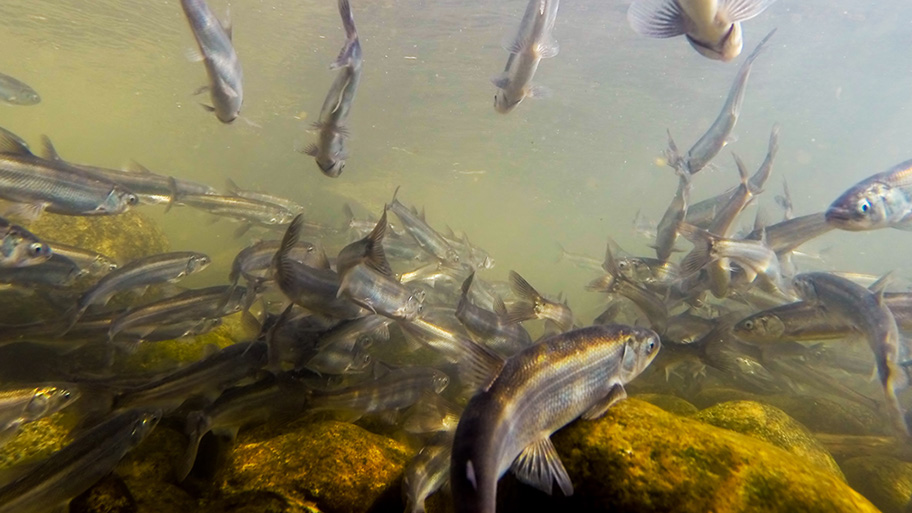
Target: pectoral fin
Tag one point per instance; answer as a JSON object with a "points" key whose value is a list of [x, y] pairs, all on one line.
{"points": [[616, 395], [656, 18], [539, 466], [739, 10]]}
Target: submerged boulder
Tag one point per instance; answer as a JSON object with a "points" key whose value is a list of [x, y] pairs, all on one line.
{"points": [[885, 481], [771, 425], [640, 458], [339, 467]]}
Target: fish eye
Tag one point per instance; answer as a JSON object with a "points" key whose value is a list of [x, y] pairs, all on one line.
{"points": [[864, 206], [37, 249], [132, 200], [622, 264], [650, 347], [748, 325]]}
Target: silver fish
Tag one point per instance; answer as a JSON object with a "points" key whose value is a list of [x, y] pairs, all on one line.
{"points": [[20, 406], [16, 92], [667, 229], [95, 264], [427, 237], [225, 87], [533, 43], [263, 197], [883, 200], [709, 145], [492, 328], [712, 27], [508, 424], [531, 304], [329, 151], [398, 389], [19, 247], [73, 469], [428, 471]]}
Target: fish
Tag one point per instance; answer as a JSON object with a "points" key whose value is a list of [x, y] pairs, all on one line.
{"points": [[715, 138], [615, 282], [16, 92], [254, 262], [262, 197], [23, 405], [396, 390], [868, 314], [88, 261], [205, 378], [712, 27], [150, 188], [883, 200], [492, 328], [580, 373], [247, 211], [427, 472], [226, 88], [53, 482], [56, 272], [531, 304], [533, 42], [667, 229], [208, 303], [380, 293], [46, 185], [579, 260], [20, 247], [316, 289], [786, 236], [329, 151], [164, 267], [367, 250], [426, 237], [238, 407]]}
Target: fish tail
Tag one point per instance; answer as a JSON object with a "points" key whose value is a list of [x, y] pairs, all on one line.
{"points": [[699, 257], [376, 257], [351, 36], [524, 309], [280, 261], [198, 424], [760, 47]]}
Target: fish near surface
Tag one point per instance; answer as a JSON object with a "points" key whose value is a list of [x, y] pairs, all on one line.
{"points": [[329, 151], [883, 200], [867, 313], [535, 393], [712, 27], [222, 64], [533, 43]]}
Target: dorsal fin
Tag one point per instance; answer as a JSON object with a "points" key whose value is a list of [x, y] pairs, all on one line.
{"points": [[48, 149], [12, 144]]}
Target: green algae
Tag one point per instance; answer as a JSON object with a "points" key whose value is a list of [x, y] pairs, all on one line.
{"points": [[38, 440], [641, 458], [337, 466], [771, 425]]}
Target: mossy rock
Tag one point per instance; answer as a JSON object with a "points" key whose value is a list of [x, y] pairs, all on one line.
{"points": [[339, 467], [123, 237], [825, 415], [715, 395], [771, 425], [155, 459], [38, 440], [669, 403], [110, 495], [640, 458], [166, 354], [885, 481], [257, 502], [154, 497]]}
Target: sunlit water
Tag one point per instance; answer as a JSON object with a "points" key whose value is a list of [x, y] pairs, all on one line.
{"points": [[574, 168]]}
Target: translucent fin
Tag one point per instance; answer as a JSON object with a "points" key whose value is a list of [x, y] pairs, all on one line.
{"points": [[656, 18], [614, 396], [733, 11], [524, 309], [540, 466], [12, 144]]}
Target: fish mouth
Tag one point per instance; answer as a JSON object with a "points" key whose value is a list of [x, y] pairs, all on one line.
{"points": [[838, 216]]}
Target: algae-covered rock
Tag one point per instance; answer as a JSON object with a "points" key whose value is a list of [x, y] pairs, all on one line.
{"points": [[669, 403], [155, 459], [715, 395], [257, 502], [110, 495], [771, 425], [123, 237], [154, 497], [37, 440], [824, 415], [885, 481], [338, 466], [639, 458]]}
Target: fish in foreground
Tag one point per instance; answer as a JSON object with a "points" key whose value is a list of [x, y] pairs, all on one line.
{"points": [[867, 313], [717, 136], [24, 405], [329, 151], [427, 472], [41, 184], [16, 92], [712, 27], [533, 43], [883, 200], [19, 247], [72, 470], [164, 267], [217, 53], [508, 424]]}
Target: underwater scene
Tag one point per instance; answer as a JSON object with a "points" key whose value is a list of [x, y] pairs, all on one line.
{"points": [[455, 256]]}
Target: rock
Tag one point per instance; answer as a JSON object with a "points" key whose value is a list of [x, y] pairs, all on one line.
{"points": [[669, 403], [845, 447], [257, 502], [715, 395], [154, 460], [824, 415], [110, 495], [338, 466], [885, 481], [771, 425], [38, 440], [123, 237], [154, 497], [639, 458]]}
